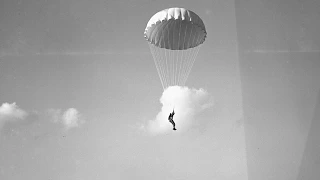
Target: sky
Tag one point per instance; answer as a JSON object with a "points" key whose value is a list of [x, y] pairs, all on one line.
{"points": [[80, 97]]}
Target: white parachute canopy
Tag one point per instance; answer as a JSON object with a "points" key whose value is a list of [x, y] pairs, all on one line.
{"points": [[175, 36]]}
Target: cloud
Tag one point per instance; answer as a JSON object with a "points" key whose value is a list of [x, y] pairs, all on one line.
{"points": [[186, 102], [11, 112], [70, 118]]}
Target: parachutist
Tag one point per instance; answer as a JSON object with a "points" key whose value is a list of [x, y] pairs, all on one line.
{"points": [[170, 118]]}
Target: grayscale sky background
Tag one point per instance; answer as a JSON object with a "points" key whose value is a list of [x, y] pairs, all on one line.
{"points": [[83, 80]]}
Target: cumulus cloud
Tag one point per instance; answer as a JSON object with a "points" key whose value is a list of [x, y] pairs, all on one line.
{"points": [[11, 112], [70, 118], [186, 102]]}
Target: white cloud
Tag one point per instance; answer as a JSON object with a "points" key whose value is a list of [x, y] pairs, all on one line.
{"points": [[186, 103], [71, 118], [11, 112]]}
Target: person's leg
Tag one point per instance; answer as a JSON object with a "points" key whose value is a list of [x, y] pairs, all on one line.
{"points": [[174, 125]]}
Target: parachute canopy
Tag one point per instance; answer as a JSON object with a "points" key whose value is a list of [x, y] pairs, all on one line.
{"points": [[174, 36], [175, 29]]}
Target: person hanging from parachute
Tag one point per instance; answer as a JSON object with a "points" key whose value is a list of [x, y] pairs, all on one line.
{"points": [[174, 36], [170, 118]]}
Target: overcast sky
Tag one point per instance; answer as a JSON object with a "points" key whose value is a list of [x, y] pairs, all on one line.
{"points": [[80, 94]]}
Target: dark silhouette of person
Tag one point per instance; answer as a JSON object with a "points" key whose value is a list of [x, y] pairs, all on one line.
{"points": [[170, 118]]}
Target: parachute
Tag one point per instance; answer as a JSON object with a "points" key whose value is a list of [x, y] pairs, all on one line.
{"points": [[174, 36]]}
